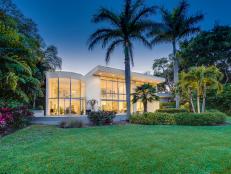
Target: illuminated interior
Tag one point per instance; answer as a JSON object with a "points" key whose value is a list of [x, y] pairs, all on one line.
{"points": [[66, 96], [113, 95]]}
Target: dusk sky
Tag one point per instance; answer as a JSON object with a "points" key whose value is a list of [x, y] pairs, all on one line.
{"points": [[67, 25]]}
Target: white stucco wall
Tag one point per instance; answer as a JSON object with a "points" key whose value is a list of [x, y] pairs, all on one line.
{"points": [[93, 88], [152, 107]]}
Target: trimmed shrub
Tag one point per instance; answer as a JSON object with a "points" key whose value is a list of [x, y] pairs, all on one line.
{"points": [[71, 124], [167, 105], [203, 119], [159, 118], [153, 119], [101, 117], [172, 110]]}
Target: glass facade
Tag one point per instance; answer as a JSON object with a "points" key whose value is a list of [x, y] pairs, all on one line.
{"points": [[113, 95], [66, 96]]}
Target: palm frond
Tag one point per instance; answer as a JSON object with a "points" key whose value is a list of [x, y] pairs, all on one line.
{"points": [[110, 49], [105, 15]]}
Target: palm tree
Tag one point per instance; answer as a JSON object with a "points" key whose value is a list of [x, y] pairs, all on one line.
{"points": [[199, 80], [145, 93], [176, 25], [130, 25]]}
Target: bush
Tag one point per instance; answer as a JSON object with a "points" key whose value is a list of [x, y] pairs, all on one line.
{"points": [[172, 110], [153, 119], [71, 124], [203, 119], [167, 105], [101, 117], [159, 118], [14, 118]]}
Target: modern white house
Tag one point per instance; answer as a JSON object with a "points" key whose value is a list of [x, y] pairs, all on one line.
{"points": [[67, 93]]}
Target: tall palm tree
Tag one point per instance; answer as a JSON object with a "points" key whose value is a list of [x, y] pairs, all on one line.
{"points": [[176, 25], [145, 93], [130, 25]]}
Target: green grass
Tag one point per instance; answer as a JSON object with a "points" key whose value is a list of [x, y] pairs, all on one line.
{"points": [[117, 149]]}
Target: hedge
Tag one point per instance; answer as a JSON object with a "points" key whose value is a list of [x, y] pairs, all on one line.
{"points": [[159, 118], [172, 110], [153, 119]]}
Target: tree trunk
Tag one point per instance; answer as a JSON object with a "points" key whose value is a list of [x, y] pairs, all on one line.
{"points": [[145, 106], [198, 101], [127, 78], [34, 101], [191, 102], [204, 99], [176, 74]]}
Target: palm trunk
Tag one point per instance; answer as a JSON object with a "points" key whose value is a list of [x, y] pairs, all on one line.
{"points": [[127, 79], [198, 101], [176, 74], [204, 99], [145, 106], [191, 102]]}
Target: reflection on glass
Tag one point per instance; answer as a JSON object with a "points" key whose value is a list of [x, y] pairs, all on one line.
{"points": [[53, 106], [53, 87], [75, 107], [75, 88], [64, 106], [139, 106], [64, 88], [66, 96], [122, 107]]}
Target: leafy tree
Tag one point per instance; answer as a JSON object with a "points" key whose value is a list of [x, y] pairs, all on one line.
{"points": [[164, 67], [127, 26], [220, 101], [199, 80], [145, 93], [176, 25], [209, 48], [23, 57]]}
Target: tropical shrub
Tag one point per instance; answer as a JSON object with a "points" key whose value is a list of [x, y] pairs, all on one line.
{"points": [[172, 110], [153, 119], [203, 119], [71, 124], [101, 117], [15, 118]]}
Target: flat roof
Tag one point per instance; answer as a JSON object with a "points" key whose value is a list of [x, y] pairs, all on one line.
{"points": [[104, 71], [114, 72]]}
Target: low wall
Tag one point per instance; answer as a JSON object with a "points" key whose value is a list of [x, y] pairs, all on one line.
{"points": [[57, 119]]}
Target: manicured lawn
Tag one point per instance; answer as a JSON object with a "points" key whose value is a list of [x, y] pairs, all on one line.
{"points": [[117, 149]]}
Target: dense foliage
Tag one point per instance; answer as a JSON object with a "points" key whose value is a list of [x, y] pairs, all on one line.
{"points": [[101, 117], [198, 81], [192, 119], [24, 58], [14, 118], [209, 48], [220, 101]]}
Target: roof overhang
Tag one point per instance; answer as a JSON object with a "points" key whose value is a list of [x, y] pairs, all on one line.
{"points": [[103, 71]]}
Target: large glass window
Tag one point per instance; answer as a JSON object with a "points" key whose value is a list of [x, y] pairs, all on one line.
{"points": [[64, 87], [66, 96], [75, 88], [53, 88]]}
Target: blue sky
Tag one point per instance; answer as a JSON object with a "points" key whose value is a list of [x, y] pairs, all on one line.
{"points": [[67, 25]]}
